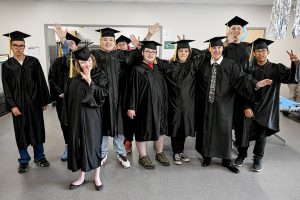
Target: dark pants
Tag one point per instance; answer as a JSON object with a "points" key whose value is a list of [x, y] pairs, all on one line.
{"points": [[59, 114], [38, 154], [258, 151], [178, 144]]}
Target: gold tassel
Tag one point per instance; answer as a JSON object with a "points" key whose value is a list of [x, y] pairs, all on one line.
{"points": [[9, 45], [251, 53], [155, 61], [71, 66], [175, 54], [59, 50]]}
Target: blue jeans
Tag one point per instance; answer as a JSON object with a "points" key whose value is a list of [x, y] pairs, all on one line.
{"points": [[118, 145], [38, 154]]}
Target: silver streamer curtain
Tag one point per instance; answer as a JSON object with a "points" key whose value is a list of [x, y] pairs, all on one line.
{"points": [[279, 19], [296, 26]]}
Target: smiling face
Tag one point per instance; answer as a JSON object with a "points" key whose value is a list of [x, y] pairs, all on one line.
{"points": [[107, 43], [261, 55], [183, 54], [216, 52], [149, 55]]}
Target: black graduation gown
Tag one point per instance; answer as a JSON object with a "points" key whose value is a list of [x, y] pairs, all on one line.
{"points": [[180, 78], [148, 97], [266, 106], [240, 53], [82, 114], [25, 87], [114, 64], [58, 77], [214, 121]]}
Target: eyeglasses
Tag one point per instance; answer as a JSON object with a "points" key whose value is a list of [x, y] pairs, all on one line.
{"points": [[150, 52], [260, 50], [18, 46]]}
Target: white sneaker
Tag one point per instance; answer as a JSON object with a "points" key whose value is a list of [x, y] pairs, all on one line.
{"points": [[104, 160], [124, 161]]}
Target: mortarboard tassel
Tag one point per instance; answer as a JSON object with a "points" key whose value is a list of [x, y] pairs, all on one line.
{"points": [[59, 50], [155, 61], [9, 45], [71, 66], [251, 53]]}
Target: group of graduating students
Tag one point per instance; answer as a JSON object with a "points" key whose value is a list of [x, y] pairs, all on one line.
{"points": [[116, 92]]}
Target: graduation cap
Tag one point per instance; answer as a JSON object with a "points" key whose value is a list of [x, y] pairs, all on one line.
{"points": [[73, 38], [215, 41], [150, 44], [83, 53], [236, 21], [15, 36], [183, 43], [122, 38], [261, 43], [107, 32]]}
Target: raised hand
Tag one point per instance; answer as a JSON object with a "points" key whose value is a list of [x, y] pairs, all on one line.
{"points": [[153, 29], [293, 56], [179, 37], [263, 83], [135, 41], [59, 31]]}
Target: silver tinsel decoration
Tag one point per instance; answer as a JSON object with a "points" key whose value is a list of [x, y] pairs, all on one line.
{"points": [[279, 19], [296, 26]]}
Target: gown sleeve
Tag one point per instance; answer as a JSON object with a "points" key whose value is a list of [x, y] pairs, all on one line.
{"points": [[8, 93], [288, 75], [96, 92], [43, 88]]}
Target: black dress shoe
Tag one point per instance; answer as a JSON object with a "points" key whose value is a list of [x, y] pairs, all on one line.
{"points": [[231, 167], [72, 187], [99, 187], [206, 162]]}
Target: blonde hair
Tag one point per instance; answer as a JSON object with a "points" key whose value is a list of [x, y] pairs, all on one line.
{"points": [[78, 68]]}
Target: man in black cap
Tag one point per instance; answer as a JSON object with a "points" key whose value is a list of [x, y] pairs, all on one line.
{"points": [[217, 81], [26, 96], [262, 116], [240, 53], [147, 106], [58, 77]]}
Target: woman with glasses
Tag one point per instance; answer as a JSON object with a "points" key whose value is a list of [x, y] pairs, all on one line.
{"points": [[147, 106]]}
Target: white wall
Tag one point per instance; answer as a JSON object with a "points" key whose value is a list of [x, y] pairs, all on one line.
{"points": [[199, 22]]}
